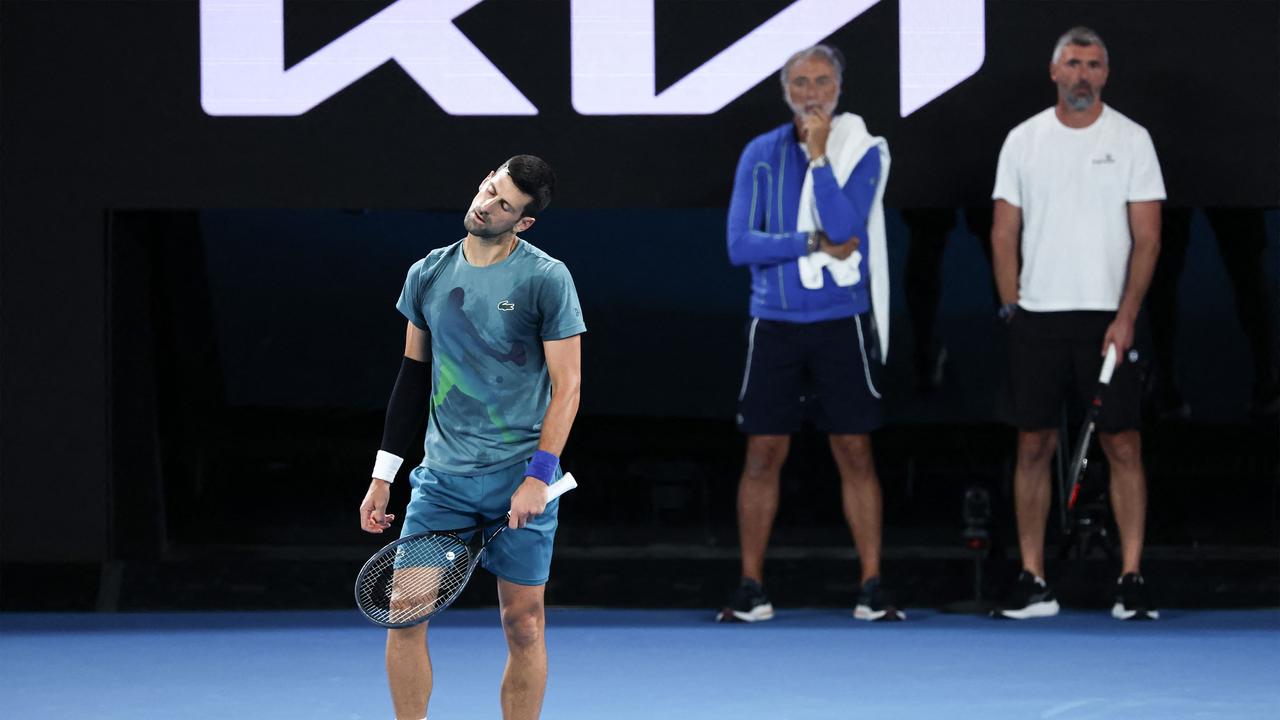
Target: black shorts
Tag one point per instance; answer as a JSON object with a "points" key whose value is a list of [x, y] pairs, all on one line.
{"points": [[828, 371], [1055, 356]]}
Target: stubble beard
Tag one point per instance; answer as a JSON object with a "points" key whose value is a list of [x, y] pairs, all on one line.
{"points": [[484, 233]]}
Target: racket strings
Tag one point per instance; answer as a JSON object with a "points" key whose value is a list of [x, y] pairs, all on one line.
{"points": [[414, 579]]}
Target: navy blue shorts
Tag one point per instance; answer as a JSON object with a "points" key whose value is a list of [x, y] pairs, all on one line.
{"points": [[1055, 357], [827, 372]]}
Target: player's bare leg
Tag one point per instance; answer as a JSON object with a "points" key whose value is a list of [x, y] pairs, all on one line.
{"points": [[409, 671], [860, 494], [523, 621], [758, 499], [1031, 492], [1128, 493]]}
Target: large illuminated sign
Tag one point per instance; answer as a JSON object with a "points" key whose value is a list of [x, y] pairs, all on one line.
{"points": [[242, 66]]}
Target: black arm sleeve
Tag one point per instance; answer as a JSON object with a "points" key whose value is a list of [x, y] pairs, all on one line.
{"points": [[407, 408]]}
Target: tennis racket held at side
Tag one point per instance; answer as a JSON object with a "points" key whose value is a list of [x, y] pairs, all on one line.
{"points": [[410, 580], [1080, 458]]}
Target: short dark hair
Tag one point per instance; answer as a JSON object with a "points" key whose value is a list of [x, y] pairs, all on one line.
{"points": [[535, 178]]}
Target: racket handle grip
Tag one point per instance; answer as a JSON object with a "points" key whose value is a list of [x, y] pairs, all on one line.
{"points": [[1108, 365], [561, 486]]}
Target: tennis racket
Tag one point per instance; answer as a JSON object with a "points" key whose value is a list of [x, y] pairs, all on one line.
{"points": [[417, 576], [1080, 458]]}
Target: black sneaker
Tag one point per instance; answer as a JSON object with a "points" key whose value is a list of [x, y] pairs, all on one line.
{"points": [[873, 606], [748, 604], [1131, 599], [1031, 597]]}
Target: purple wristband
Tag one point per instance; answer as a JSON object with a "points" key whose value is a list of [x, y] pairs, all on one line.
{"points": [[542, 466]]}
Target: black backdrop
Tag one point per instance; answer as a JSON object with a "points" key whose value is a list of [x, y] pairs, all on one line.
{"points": [[99, 110], [103, 99]]}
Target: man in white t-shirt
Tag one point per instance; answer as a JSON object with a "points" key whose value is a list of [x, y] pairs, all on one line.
{"points": [[1074, 242]]}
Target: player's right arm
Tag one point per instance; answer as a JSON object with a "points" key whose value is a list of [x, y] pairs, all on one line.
{"points": [[406, 411], [1006, 221], [417, 343], [1006, 226], [749, 239]]}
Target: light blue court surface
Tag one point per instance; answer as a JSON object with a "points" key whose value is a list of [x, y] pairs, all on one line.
{"points": [[674, 664]]}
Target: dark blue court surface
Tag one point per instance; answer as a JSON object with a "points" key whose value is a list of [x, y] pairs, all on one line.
{"points": [[611, 664]]}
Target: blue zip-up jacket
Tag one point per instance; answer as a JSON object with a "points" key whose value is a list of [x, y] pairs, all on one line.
{"points": [[762, 228]]}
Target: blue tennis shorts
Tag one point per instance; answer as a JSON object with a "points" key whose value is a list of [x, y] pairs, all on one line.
{"points": [[447, 502]]}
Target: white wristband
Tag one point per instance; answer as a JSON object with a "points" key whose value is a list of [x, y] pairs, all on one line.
{"points": [[386, 466]]}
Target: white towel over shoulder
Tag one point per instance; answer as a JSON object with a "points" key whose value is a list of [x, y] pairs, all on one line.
{"points": [[848, 143]]}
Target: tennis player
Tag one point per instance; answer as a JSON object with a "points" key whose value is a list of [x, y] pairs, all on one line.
{"points": [[492, 361], [1075, 239]]}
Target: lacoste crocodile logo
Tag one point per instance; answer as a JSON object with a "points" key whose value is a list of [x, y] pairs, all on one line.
{"points": [[506, 306]]}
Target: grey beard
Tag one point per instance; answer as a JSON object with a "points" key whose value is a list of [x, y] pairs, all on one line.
{"points": [[1080, 103], [799, 110]]}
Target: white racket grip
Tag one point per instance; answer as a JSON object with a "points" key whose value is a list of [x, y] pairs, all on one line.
{"points": [[561, 486], [1108, 366]]}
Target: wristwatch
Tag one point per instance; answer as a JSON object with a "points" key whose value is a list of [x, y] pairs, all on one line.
{"points": [[811, 244], [1006, 311], [820, 161]]}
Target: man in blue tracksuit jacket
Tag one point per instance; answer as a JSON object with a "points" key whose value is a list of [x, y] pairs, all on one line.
{"points": [[813, 343]]}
